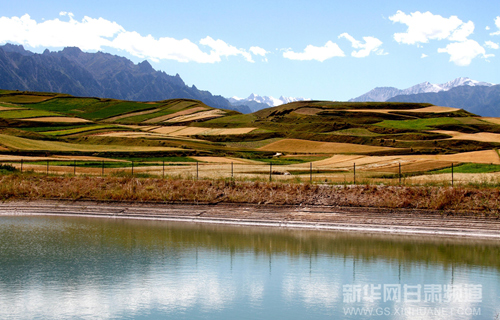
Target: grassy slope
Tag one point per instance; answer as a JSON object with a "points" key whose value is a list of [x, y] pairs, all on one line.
{"points": [[327, 122]]}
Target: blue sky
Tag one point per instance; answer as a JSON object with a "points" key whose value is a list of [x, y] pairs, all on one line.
{"points": [[328, 50]]}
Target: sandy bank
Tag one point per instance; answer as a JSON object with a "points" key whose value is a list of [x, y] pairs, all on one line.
{"points": [[361, 220]]}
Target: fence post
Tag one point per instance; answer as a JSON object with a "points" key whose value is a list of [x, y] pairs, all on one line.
{"points": [[400, 173], [310, 172], [232, 171], [102, 172], [74, 167], [163, 174], [355, 173], [47, 167], [270, 171], [452, 174], [132, 167], [197, 170], [21, 165]]}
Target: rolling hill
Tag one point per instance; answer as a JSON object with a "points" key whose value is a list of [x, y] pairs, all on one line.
{"points": [[329, 135]]}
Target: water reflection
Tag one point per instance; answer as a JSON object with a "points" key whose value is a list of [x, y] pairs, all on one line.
{"points": [[53, 267]]}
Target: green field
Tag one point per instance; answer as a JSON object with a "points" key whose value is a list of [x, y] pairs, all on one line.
{"points": [[418, 124], [18, 143], [26, 113], [471, 168], [66, 132]]}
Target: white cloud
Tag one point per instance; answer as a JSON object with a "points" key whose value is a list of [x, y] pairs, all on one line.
{"points": [[258, 51], [371, 45], [462, 53], [426, 26], [487, 28], [94, 34], [89, 34], [491, 45], [222, 49], [423, 55], [497, 23], [464, 31], [329, 50]]}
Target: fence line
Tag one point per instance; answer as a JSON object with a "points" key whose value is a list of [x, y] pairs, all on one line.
{"points": [[239, 171]]}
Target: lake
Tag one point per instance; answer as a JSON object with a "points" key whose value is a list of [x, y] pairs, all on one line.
{"points": [[101, 268]]}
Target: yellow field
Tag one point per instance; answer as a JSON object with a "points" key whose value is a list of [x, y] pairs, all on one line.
{"points": [[173, 115], [132, 114], [492, 120], [198, 116], [481, 136], [187, 131], [493, 177], [168, 130], [305, 146], [409, 163], [17, 143], [57, 119], [4, 108]]}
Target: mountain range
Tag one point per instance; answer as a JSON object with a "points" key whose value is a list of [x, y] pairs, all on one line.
{"points": [[98, 74], [256, 102], [386, 93], [481, 98]]}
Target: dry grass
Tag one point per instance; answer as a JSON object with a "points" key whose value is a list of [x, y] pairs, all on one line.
{"points": [[491, 120], [173, 115], [132, 114], [57, 119], [168, 130], [481, 136], [188, 131], [225, 160], [4, 108], [434, 109], [305, 146], [485, 156], [215, 113], [467, 201], [308, 111]]}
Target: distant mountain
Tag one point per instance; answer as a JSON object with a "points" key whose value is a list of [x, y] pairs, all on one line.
{"points": [[94, 75], [480, 100], [386, 93], [256, 102]]}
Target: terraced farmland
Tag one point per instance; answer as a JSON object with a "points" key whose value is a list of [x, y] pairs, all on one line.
{"points": [[331, 137]]}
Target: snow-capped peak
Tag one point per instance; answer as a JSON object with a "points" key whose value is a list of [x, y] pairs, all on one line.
{"points": [[385, 93], [270, 101]]}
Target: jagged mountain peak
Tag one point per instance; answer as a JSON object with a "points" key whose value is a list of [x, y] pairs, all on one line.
{"points": [[98, 74]]}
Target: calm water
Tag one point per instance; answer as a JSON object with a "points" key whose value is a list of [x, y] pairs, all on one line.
{"points": [[83, 268]]}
